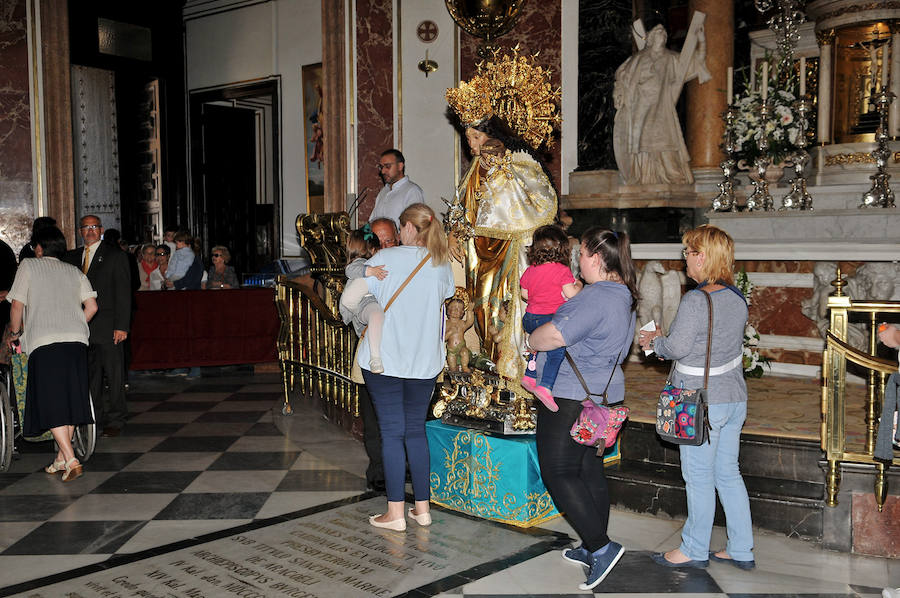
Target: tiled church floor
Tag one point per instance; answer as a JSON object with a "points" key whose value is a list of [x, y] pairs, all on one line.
{"points": [[204, 462]]}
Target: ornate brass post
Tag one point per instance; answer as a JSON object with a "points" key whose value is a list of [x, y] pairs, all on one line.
{"points": [[833, 439], [871, 397]]}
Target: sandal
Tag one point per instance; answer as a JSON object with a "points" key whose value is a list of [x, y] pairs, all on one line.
{"points": [[56, 467], [73, 470]]}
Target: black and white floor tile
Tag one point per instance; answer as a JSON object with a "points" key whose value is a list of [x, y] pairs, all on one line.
{"points": [[203, 462]]}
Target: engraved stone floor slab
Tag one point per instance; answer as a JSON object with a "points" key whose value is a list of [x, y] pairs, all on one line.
{"points": [[327, 551]]}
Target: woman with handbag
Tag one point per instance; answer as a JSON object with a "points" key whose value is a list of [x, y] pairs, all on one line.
{"points": [[596, 326], [712, 466], [419, 279]]}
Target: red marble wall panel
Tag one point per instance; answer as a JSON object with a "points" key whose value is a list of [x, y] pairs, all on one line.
{"points": [[800, 357], [873, 532], [16, 208], [374, 94], [539, 29], [776, 310]]}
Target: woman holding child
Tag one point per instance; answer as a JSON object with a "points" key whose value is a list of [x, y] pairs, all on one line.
{"points": [[418, 279], [598, 341]]}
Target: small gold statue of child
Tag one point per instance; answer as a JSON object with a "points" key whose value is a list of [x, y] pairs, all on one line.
{"points": [[459, 319]]}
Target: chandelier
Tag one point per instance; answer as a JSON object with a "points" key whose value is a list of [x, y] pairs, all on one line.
{"points": [[785, 24]]}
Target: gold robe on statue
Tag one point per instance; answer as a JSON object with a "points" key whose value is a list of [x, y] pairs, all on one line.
{"points": [[504, 206]]}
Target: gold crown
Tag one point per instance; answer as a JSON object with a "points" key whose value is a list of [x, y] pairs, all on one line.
{"points": [[515, 89]]}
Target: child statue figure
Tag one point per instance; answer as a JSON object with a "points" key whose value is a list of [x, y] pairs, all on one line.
{"points": [[459, 319]]}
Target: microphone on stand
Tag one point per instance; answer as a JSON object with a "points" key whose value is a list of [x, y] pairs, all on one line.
{"points": [[359, 199]]}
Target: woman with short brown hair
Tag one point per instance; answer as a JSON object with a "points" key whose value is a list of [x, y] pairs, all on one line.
{"points": [[712, 467]]}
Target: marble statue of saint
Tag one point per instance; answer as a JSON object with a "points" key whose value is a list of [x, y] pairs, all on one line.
{"points": [[647, 139]]}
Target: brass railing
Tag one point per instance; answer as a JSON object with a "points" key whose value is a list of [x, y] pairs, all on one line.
{"points": [[315, 347], [834, 376]]}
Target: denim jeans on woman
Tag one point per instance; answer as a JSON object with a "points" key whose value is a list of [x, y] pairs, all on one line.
{"points": [[531, 322], [713, 467], [401, 405], [573, 473]]}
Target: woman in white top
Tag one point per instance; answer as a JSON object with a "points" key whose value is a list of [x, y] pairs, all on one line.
{"points": [[412, 353], [60, 302]]}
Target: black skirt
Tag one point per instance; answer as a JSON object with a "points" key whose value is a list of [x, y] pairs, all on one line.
{"points": [[57, 390]]}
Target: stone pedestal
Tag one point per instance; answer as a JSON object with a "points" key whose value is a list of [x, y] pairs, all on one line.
{"points": [[602, 189]]}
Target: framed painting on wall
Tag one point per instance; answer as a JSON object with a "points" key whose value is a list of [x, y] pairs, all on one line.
{"points": [[311, 80]]}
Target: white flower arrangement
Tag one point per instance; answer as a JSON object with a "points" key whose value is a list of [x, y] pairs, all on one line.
{"points": [[782, 129], [753, 362], [742, 282]]}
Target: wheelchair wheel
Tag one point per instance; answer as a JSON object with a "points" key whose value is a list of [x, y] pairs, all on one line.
{"points": [[7, 437], [85, 438]]}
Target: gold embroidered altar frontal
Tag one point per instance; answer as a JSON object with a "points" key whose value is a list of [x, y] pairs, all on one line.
{"points": [[492, 477]]}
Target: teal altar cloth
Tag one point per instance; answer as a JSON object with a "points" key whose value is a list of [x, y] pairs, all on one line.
{"points": [[493, 477]]}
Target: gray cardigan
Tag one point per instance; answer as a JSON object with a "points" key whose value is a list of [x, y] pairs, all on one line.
{"points": [[686, 343]]}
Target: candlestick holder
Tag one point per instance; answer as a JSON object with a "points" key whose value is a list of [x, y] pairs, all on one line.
{"points": [[724, 201], [798, 198], [761, 199], [880, 194]]}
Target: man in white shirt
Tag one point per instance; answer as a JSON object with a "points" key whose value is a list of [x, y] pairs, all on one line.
{"points": [[398, 191]]}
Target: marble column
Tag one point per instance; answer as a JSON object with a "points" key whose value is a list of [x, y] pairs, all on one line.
{"points": [[57, 115], [706, 102], [16, 182], [374, 94], [894, 114], [825, 40], [334, 98]]}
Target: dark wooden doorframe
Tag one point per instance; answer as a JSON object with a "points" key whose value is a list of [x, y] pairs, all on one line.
{"points": [[270, 88]]}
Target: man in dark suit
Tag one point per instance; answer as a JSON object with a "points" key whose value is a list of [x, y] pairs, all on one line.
{"points": [[107, 269]]}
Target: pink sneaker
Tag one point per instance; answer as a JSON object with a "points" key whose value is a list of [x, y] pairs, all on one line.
{"points": [[543, 394], [529, 383]]}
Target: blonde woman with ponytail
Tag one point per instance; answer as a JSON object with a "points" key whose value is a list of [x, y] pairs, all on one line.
{"points": [[412, 353]]}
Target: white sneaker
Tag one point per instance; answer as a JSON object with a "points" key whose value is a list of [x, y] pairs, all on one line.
{"points": [[890, 593], [375, 365]]}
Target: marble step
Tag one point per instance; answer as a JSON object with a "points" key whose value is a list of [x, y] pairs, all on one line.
{"points": [[763, 456], [783, 506], [783, 477]]}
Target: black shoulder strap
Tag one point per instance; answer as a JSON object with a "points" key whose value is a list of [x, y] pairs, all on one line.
{"points": [[584, 384]]}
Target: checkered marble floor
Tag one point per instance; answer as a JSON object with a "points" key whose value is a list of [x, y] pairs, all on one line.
{"points": [[200, 459]]}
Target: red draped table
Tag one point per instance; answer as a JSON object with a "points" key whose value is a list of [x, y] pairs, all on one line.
{"points": [[173, 329]]}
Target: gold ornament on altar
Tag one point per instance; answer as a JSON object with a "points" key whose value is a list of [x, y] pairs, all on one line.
{"points": [[485, 19], [514, 88]]}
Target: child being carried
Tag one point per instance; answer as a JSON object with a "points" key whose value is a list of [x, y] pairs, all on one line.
{"points": [[546, 284], [357, 304]]}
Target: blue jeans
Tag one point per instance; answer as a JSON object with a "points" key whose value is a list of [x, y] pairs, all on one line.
{"points": [[713, 467], [401, 405], [531, 322]]}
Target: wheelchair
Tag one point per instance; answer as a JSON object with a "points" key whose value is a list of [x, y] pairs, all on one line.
{"points": [[84, 440]]}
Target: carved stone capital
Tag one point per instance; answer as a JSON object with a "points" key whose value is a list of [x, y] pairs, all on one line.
{"points": [[825, 37]]}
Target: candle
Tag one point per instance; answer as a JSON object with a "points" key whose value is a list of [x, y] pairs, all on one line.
{"points": [[885, 54], [730, 85], [802, 76], [765, 81]]}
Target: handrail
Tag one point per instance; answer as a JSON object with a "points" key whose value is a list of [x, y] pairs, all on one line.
{"points": [[864, 359], [315, 347], [834, 374]]}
